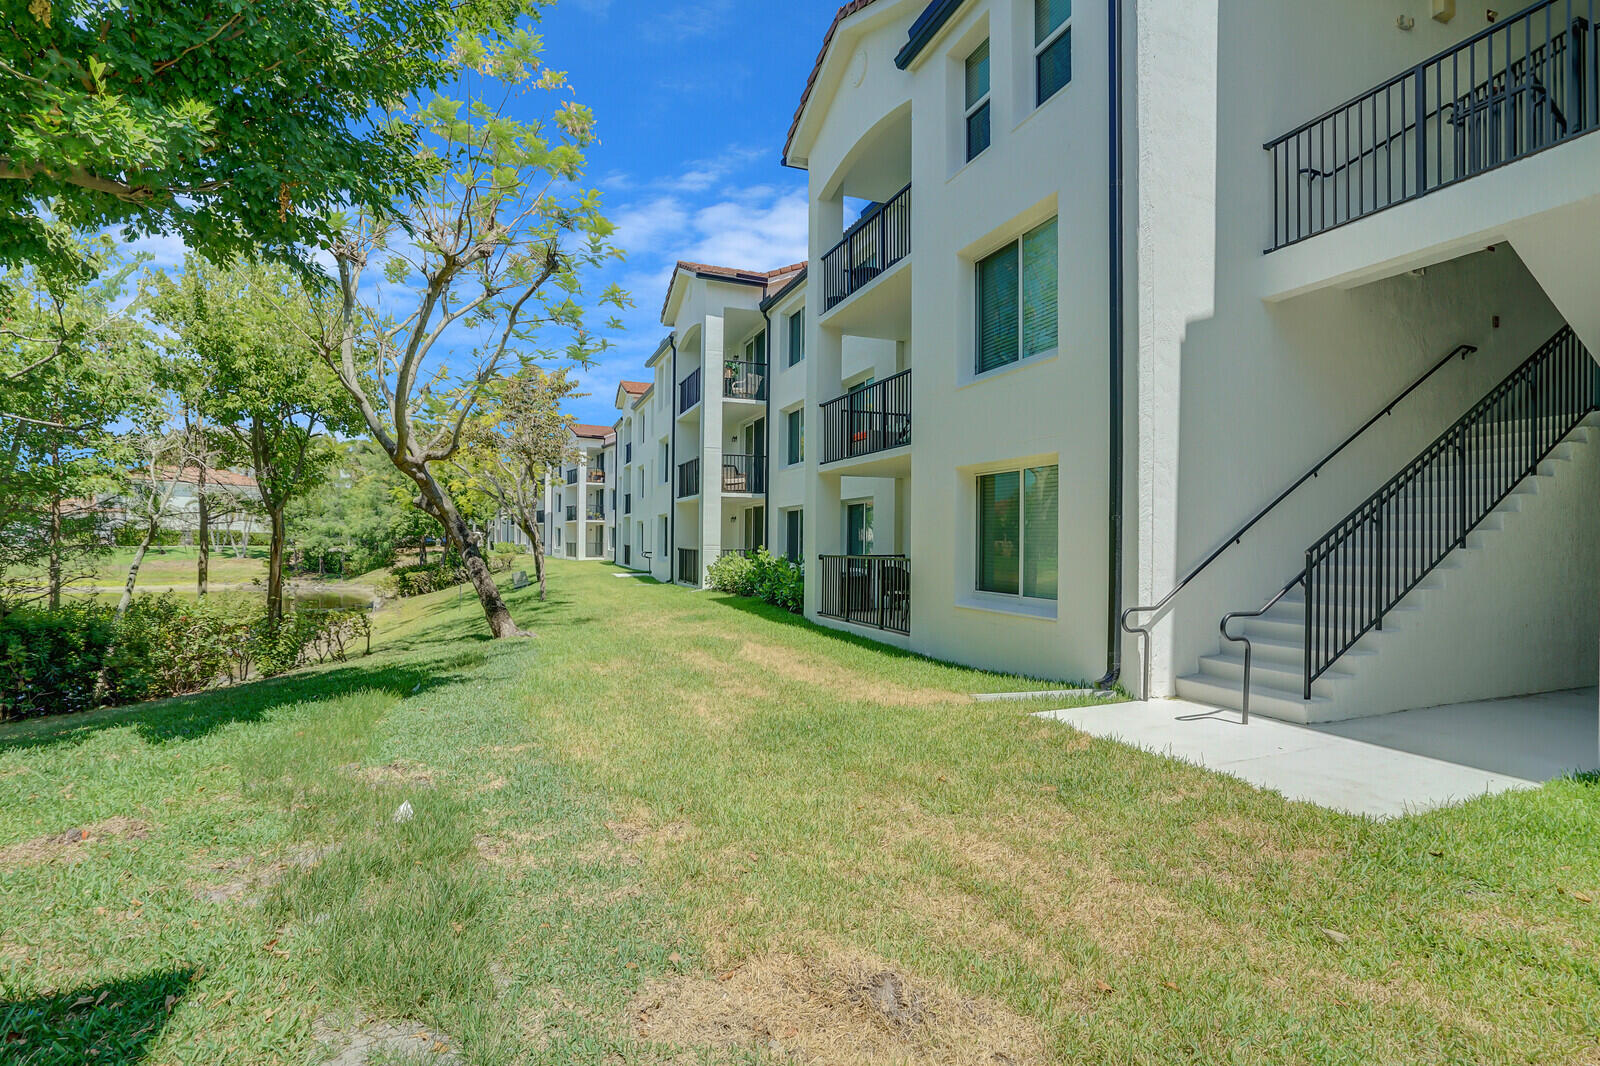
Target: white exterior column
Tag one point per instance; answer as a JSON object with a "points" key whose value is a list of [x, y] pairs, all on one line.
{"points": [[824, 360]]}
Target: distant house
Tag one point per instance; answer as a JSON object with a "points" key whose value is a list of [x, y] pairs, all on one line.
{"points": [[234, 500]]}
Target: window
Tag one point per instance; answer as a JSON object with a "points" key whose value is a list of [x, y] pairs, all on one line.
{"points": [[978, 101], [662, 538], [755, 528], [858, 528], [666, 462], [1017, 539], [755, 349], [1017, 300], [1052, 46], [797, 436], [794, 545], [797, 336]]}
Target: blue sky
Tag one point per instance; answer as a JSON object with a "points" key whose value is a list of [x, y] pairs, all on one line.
{"points": [[693, 99]]}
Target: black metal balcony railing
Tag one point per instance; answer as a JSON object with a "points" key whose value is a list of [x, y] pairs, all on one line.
{"points": [[689, 391], [871, 246], [596, 515], [868, 590], [868, 420], [1523, 84], [689, 566], [597, 477], [689, 479], [744, 473], [572, 513], [627, 503], [743, 380]]}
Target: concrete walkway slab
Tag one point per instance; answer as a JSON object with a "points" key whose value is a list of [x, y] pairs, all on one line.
{"points": [[1386, 767]]}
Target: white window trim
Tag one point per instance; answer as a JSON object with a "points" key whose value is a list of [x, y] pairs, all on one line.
{"points": [[980, 598], [985, 100], [1038, 49], [971, 374]]}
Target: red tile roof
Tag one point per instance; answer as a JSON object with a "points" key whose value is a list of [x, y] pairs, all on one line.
{"points": [[636, 388], [811, 81], [764, 278], [589, 430], [213, 477]]}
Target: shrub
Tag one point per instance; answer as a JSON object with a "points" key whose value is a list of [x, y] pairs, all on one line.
{"points": [[51, 662], [419, 580], [770, 578]]}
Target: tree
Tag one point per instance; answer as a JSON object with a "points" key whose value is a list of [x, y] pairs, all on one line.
{"points": [[237, 127], [59, 450], [520, 437], [147, 492], [495, 244], [244, 333]]}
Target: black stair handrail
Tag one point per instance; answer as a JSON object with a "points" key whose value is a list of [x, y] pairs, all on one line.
{"points": [[1156, 610], [1541, 418]]}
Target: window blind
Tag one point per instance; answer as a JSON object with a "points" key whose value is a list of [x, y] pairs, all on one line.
{"points": [[999, 532], [997, 309], [1040, 541], [1039, 289]]}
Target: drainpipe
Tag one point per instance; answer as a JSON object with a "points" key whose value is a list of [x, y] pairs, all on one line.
{"points": [[672, 466], [766, 477], [1114, 590]]}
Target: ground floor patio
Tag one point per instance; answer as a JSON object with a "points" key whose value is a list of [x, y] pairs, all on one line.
{"points": [[1384, 766]]}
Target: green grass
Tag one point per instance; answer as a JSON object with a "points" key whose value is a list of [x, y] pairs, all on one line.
{"points": [[680, 819]]}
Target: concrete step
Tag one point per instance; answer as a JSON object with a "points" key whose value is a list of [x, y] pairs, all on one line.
{"points": [[1265, 673], [1274, 703]]}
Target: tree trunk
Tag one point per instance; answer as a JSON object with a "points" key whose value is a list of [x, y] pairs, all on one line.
{"points": [[437, 503], [422, 550], [531, 528], [203, 560], [55, 553], [275, 570], [133, 568]]}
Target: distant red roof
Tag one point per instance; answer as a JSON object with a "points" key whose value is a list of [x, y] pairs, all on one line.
{"points": [[811, 81], [636, 388], [213, 477], [588, 430]]}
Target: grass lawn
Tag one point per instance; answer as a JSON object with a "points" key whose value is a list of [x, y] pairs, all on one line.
{"points": [[679, 828], [174, 567]]}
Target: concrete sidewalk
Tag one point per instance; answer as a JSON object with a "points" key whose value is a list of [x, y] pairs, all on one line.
{"points": [[1386, 766]]}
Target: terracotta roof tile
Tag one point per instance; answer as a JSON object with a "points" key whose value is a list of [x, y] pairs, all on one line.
{"points": [[811, 81], [764, 278], [635, 388], [589, 430]]}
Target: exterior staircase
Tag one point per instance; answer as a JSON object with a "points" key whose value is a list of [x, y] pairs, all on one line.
{"points": [[1372, 577]]}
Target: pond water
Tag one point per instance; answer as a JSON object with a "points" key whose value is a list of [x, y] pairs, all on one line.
{"points": [[331, 599]]}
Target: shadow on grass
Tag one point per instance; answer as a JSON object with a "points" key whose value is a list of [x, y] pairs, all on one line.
{"points": [[190, 717], [112, 1023]]}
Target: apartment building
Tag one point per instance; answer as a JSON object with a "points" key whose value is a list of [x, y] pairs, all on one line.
{"points": [[1125, 323], [579, 515]]}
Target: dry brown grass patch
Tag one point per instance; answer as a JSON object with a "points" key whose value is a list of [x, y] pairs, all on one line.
{"points": [[73, 844], [508, 849], [250, 878], [399, 772], [830, 677], [842, 1009]]}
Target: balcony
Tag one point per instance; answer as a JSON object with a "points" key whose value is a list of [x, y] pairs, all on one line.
{"points": [[744, 473], [743, 380], [689, 391], [572, 513], [597, 477], [596, 515], [689, 479], [867, 590], [869, 248], [572, 476], [689, 566], [866, 421], [1524, 84]]}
